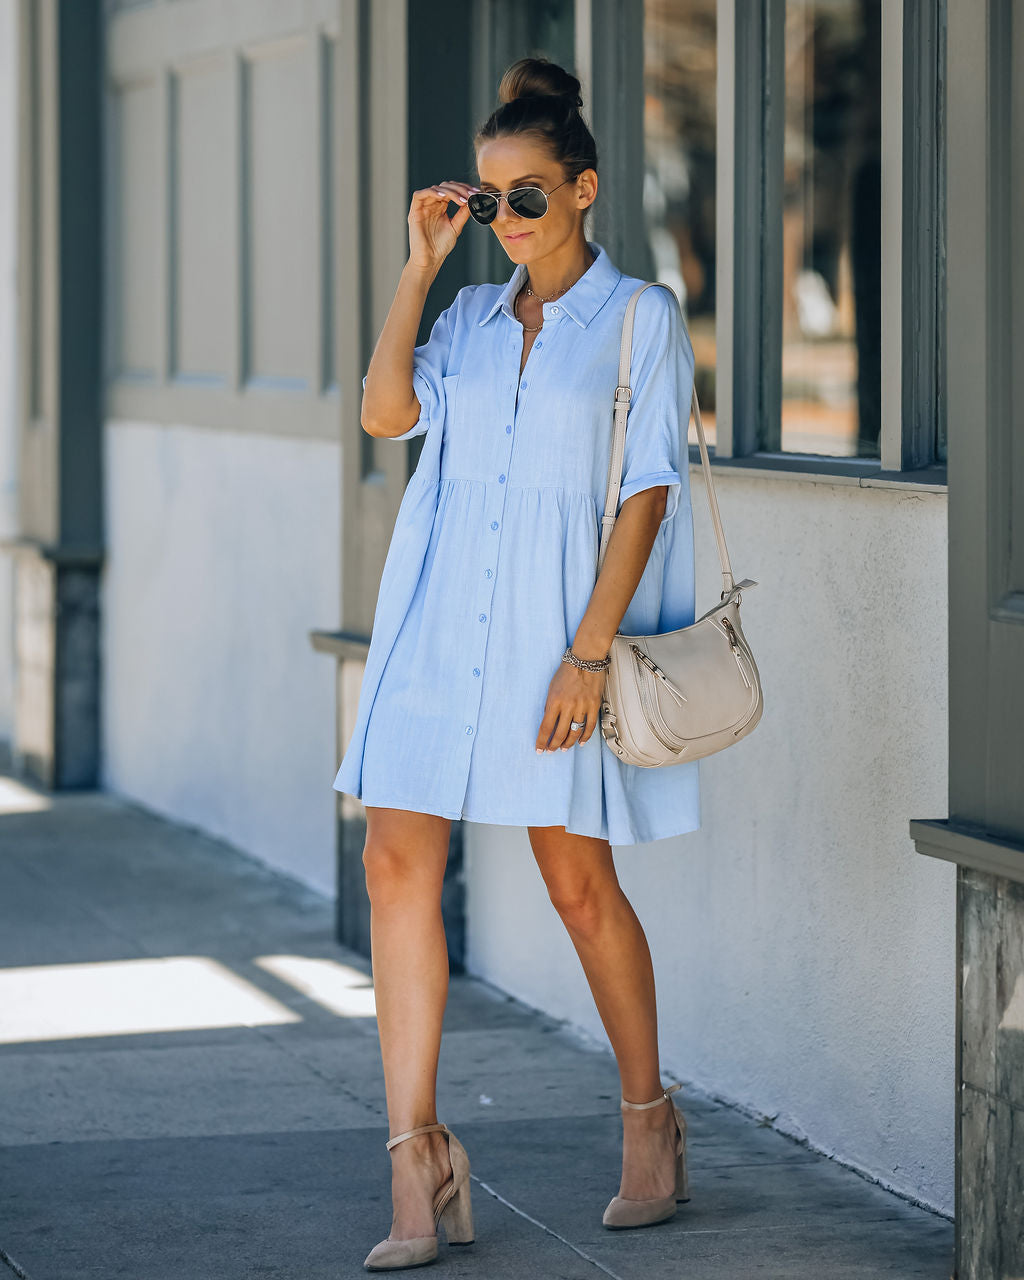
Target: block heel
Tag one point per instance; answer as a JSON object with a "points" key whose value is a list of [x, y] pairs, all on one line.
{"points": [[682, 1181], [457, 1217]]}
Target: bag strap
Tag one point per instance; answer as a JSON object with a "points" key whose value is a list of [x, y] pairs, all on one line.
{"points": [[623, 393]]}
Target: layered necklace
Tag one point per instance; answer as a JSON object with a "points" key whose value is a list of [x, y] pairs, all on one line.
{"points": [[565, 288]]}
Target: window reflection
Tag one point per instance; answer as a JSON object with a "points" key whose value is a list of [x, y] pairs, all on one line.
{"points": [[680, 66], [831, 308]]}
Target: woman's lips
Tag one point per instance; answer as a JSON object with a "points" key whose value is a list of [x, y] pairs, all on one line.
{"points": [[521, 236]]}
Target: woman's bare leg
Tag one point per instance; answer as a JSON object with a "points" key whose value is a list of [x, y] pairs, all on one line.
{"points": [[405, 857], [581, 881]]}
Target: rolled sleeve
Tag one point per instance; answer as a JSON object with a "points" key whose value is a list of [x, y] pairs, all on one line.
{"points": [[661, 376], [429, 367]]}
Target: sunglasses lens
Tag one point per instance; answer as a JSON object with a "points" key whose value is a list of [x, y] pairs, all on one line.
{"points": [[525, 202], [528, 202], [483, 207]]}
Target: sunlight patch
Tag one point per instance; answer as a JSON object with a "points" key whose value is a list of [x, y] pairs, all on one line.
{"points": [[129, 997], [1013, 1014], [338, 987], [15, 798]]}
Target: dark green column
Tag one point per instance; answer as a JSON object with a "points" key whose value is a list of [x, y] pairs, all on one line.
{"points": [[58, 553]]}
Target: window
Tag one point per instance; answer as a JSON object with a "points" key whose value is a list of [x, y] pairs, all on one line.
{"points": [[680, 150], [794, 198], [831, 229]]}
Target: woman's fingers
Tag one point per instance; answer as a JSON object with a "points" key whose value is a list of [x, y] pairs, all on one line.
{"points": [[561, 734], [547, 727], [554, 728], [441, 194], [432, 234], [573, 735], [457, 191]]}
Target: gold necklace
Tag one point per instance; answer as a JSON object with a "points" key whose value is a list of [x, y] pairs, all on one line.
{"points": [[529, 290], [536, 328], [526, 327]]}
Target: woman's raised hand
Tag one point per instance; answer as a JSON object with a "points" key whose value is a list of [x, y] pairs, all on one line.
{"points": [[432, 234]]}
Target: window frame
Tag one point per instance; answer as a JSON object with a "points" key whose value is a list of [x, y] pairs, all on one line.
{"points": [[750, 102]]}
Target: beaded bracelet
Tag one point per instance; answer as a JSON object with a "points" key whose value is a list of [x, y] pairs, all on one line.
{"points": [[587, 664]]}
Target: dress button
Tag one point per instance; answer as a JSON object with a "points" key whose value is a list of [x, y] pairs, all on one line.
{"points": [[501, 479], [539, 343], [488, 573], [508, 430], [476, 671], [525, 383], [469, 728], [483, 617], [554, 311], [494, 524]]}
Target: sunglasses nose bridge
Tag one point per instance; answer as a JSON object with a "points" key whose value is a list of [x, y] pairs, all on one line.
{"points": [[499, 197], [508, 208]]}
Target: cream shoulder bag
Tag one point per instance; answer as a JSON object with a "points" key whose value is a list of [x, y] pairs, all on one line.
{"points": [[682, 694]]}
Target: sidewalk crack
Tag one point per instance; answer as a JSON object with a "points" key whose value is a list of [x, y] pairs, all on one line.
{"points": [[544, 1227], [6, 1258]]}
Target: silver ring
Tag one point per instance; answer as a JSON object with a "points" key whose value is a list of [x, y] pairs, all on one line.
{"points": [[577, 724]]}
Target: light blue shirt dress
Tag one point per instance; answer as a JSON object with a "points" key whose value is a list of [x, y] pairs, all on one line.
{"points": [[493, 560]]}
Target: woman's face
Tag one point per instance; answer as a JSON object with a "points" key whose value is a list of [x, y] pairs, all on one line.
{"points": [[504, 163]]}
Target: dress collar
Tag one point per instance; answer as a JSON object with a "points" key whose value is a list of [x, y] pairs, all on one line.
{"points": [[583, 301]]}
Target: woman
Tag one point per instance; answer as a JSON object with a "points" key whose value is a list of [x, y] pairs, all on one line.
{"points": [[482, 692]]}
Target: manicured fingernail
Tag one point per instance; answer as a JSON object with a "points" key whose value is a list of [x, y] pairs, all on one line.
{"points": [[540, 751], [462, 199]]}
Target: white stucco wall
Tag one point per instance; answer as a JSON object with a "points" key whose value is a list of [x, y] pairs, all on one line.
{"points": [[223, 553], [8, 350], [804, 951]]}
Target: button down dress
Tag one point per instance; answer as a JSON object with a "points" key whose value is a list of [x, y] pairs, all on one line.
{"points": [[493, 560]]}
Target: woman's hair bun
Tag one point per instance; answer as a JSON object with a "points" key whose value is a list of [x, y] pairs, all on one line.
{"points": [[541, 101], [539, 78]]}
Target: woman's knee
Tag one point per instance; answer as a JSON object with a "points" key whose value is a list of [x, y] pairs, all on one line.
{"points": [[579, 874], [400, 861], [582, 901]]}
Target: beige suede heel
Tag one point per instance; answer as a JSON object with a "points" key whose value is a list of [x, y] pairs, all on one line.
{"points": [[645, 1213], [452, 1209]]}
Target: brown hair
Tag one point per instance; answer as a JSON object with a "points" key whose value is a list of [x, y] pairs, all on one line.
{"points": [[538, 96]]}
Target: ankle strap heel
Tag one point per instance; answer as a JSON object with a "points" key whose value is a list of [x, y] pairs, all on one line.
{"points": [[412, 1133], [645, 1106], [645, 1213], [452, 1209]]}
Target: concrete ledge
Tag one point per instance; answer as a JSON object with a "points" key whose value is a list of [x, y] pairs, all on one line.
{"points": [[821, 470], [970, 845], [342, 644]]}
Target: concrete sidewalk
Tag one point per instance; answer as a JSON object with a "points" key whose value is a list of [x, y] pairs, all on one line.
{"points": [[190, 1089]]}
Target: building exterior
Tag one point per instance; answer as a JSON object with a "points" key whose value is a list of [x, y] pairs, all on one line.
{"points": [[202, 221]]}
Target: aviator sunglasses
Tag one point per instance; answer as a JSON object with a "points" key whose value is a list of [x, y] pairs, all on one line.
{"points": [[525, 202]]}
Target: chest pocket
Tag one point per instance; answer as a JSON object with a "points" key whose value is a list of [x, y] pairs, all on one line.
{"points": [[460, 441], [451, 401]]}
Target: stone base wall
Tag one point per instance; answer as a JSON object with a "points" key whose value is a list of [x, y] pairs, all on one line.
{"points": [[990, 1125]]}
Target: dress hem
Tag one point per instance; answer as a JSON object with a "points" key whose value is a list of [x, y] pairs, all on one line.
{"points": [[462, 816]]}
